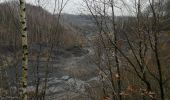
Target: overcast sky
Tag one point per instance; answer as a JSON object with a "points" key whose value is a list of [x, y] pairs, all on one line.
{"points": [[72, 7], [75, 6]]}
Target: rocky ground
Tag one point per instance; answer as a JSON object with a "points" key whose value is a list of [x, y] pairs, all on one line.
{"points": [[71, 72]]}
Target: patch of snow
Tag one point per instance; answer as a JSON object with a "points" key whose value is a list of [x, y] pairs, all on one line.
{"points": [[94, 79], [65, 77]]}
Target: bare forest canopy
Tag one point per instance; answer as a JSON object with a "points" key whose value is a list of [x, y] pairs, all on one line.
{"points": [[94, 56]]}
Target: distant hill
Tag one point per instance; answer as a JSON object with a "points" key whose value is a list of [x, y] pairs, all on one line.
{"points": [[83, 23], [42, 27]]}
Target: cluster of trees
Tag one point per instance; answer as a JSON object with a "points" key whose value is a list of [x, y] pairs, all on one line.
{"points": [[23, 26], [132, 52]]}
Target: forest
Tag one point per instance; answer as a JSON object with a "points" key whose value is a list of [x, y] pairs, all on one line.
{"points": [[84, 49]]}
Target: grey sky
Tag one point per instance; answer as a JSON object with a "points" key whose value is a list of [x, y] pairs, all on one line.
{"points": [[72, 7], [75, 6]]}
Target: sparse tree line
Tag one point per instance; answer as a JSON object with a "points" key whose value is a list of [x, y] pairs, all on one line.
{"points": [[129, 50]]}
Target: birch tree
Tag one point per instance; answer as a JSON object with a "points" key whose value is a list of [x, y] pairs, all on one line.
{"points": [[24, 49]]}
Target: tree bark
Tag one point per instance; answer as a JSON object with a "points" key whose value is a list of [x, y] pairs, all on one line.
{"points": [[23, 30]]}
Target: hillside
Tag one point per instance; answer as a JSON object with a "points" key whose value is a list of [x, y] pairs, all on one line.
{"points": [[83, 23], [43, 27]]}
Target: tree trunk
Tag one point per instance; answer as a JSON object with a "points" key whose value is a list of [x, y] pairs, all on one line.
{"points": [[23, 29]]}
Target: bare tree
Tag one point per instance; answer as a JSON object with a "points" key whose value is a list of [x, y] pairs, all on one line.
{"points": [[61, 5], [141, 36]]}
